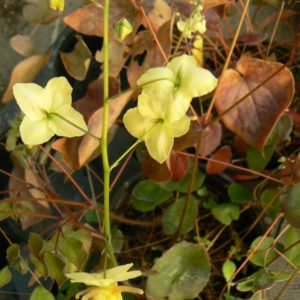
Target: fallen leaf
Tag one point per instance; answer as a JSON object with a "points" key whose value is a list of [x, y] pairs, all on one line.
{"points": [[223, 154], [254, 118], [145, 53], [68, 148], [90, 144], [39, 11], [23, 44], [18, 188], [211, 136], [160, 13], [252, 38], [77, 62], [88, 20], [25, 71]]}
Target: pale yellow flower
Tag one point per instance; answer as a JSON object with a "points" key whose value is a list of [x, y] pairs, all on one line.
{"points": [[57, 4], [196, 23], [105, 287], [181, 78], [48, 111], [153, 121]]}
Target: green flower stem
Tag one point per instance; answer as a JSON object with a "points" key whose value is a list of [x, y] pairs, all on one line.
{"points": [[125, 153], [109, 253]]}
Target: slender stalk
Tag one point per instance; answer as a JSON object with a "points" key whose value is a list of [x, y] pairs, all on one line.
{"points": [[109, 253]]}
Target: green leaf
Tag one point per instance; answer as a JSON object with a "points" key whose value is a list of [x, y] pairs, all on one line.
{"points": [[228, 269], [5, 209], [5, 276], [147, 194], [82, 236], [267, 196], [182, 186], [35, 244], [257, 160], [55, 267], [291, 204], [265, 252], [171, 216], [73, 251], [39, 265], [238, 193], [226, 212], [12, 253], [117, 239], [292, 237], [181, 273], [41, 293]]}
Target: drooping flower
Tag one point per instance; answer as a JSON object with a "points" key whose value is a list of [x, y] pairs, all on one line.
{"points": [[48, 111], [157, 121], [181, 78], [196, 23], [57, 4], [105, 287]]}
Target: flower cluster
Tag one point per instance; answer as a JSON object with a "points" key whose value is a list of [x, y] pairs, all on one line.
{"points": [[160, 115], [105, 287], [48, 111], [196, 23]]}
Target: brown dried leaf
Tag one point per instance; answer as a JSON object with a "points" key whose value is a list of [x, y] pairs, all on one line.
{"points": [[211, 137], [68, 148], [145, 53], [38, 11], [88, 20], [160, 14], [25, 71], [211, 3], [17, 189], [90, 144], [78, 61], [223, 154], [23, 44], [252, 38], [254, 118]]}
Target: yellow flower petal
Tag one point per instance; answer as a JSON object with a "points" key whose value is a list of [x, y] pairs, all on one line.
{"points": [[192, 81], [60, 91], [181, 127], [32, 100], [157, 82], [60, 125], [136, 124], [121, 273], [35, 132], [57, 4], [159, 142]]}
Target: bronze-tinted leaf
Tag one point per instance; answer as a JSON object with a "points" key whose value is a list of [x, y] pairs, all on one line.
{"points": [[252, 38], [23, 44], [78, 61], [254, 117], [25, 71], [179, 165], [223, 154]]}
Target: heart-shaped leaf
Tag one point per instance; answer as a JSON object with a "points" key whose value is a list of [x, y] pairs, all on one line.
{"points": [[41, 293], [226, 212], [5, 276], [181, 273], [223, 154], [172, 215], [253, 118], [147, 195], [291, 204]]}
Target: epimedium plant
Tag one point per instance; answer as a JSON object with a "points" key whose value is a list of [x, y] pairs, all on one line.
{"points": [[190, 234]]}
